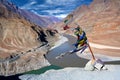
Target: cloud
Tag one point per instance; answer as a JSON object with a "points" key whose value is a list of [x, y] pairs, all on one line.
{"points": [[51, 12], [49, 1], [61, 16], [28, 5], [61, 2], [32, 3], [35, 12], [59, 8]]}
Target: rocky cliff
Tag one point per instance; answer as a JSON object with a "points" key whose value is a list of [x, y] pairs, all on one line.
{"points": [[20, 47], [101, 21]]}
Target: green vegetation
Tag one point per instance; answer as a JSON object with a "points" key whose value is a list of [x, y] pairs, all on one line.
{"points": [[42, 70]]}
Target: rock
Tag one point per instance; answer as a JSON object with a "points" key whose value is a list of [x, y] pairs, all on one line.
{"points": [[89, 66]]}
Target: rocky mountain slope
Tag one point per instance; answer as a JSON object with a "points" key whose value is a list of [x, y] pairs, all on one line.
{"points": [[42, 21], [20, 48], [101, 21]]}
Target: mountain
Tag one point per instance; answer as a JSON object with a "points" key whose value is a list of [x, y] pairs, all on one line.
{"points": [[42, 21], [20, 48], [101, 22]]}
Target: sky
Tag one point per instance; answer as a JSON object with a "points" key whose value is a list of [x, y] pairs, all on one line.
{"points": [[57, 8]]}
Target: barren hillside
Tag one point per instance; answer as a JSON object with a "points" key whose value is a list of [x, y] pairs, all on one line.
{"points": [[21, 49], [101, 21]]}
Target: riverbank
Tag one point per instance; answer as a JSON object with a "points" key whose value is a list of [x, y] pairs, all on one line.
{"points": [[73, 60]]}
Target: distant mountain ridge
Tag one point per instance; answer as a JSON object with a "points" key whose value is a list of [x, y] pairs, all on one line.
{"points": [[39, 20], [30, 16]]}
